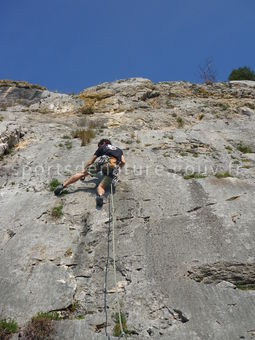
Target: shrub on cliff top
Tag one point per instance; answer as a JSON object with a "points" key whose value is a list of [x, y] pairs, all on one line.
{"points": [[242, 73]]}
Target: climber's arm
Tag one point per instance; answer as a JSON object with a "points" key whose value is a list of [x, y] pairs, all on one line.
{"points": [[91, 161], [122, 162]]}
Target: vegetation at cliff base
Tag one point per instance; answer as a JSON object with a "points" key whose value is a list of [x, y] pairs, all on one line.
{"points": [[41, 327], [7, 328]]}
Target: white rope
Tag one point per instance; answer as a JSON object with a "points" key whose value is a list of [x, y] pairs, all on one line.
{"points": [[106, 272], [114, 267]]}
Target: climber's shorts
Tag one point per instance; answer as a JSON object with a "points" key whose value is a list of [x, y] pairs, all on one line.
{"points": [[106, 181], [94, 169]]}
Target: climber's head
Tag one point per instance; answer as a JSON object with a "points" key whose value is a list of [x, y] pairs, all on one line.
{"points": [[103, 142]]}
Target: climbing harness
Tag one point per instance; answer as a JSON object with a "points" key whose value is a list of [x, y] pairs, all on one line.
{"points": [[103, 164], [102, 160], [112, 219]]}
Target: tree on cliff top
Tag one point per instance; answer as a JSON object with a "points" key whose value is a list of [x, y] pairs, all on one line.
{"points": [[207, 72], [242, 73]]}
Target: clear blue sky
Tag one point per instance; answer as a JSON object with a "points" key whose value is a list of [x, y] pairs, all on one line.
{"points": [[67, 45]]}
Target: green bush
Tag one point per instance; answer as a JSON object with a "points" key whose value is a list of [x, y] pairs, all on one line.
{"points": [[242, 73], [68, 144], [66, 137], [57, 211], [117, 328], [194, 175], [223, 174], [47, 315], [182, 153], [236, 162], [223, 106], [180, 122], [244, 286], [53, 184], [7, 328], [243, 148], [41, 327]]}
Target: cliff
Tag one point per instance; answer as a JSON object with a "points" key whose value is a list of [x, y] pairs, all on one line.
{"points": [[184, 209]]}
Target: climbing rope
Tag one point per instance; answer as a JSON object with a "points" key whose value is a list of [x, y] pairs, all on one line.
{"points": [[114, 267], [106, 274], [112, 219]]}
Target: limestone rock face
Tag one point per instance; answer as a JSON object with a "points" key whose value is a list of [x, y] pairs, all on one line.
{"points": [[184, 210], [10, 134], [21, 96], [56, 103], [14, 93]]}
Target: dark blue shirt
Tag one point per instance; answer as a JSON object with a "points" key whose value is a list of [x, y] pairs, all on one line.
{"points": [[109, 150]]}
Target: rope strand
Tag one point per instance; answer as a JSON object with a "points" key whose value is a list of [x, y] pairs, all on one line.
{"points": [[106, 272], [112, 218], [114, 266]]}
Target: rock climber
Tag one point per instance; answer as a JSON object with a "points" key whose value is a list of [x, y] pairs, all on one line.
{"points": [[108, 158]]}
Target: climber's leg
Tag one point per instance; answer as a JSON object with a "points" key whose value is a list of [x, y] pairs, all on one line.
{"points": [[72, 179], [75, 178], [100, 190], [103, 185]]}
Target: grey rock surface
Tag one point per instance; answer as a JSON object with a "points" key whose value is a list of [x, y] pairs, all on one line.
{"points": [[22, 96], [9, 136], [18, 93], [184, 213]]}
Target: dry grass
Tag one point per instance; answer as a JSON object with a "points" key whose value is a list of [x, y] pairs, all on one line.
{"points": [[68, 252], [250, 105], [85, 135], [201, 116], [22, 144], [92, 123], [180, 122], [41, 327], [3, 107], [201, 92], [86, 109]]}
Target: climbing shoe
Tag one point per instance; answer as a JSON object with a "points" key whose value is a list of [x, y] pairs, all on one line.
{"points": [[99, 201], [59, 189]]}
